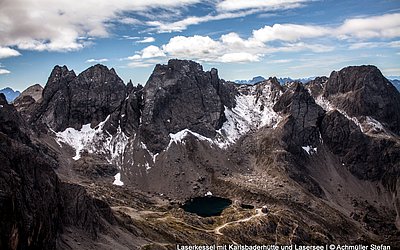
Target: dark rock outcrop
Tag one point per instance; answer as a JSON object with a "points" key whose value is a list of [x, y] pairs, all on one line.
{"points": [[299, 129], [28, 101], [35, 205], [35, 91], [131, 110], [11, 123], [81, 211], [364, 91], [316, 86], [29, 188], [177, 96], [358, 151], [72, 101], [304, 116]]}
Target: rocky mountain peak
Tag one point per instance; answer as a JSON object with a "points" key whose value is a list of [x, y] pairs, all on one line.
{"points": [[180, 95], [72, 101], [303, 117], [60, 72], [129, 86], [274, 81], [35, 91], [364, 91], [185, 66], [354, 78]]}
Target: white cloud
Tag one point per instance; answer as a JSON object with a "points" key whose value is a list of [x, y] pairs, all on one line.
{"points": [[4, 71], [44, 25], [229, 48], [234, 41], [280, 61], [146, 53], [130, 37], [97, 60], [129, 20], [265, 41], [391, 71], [136, 64], [385, 26], [181, 25], [8, 52], [369, 45], [289, 32], [195, 47], [226, 9], [233, 5], [151, 52], [147, 40], [300, 46], [239, 57]]}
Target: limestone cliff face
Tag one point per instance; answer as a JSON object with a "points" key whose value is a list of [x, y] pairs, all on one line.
{"points": [[72, 101], [364, 91], [35, 205], [304, 115], [177, 96]]}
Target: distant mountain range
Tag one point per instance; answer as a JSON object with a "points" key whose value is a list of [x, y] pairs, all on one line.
{"points": [[255, 80], [396, 83], [10, 93], [281, 80], [393, 79]]}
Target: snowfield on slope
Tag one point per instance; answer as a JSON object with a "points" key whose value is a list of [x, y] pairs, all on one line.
{"points": [[95, 140], [253, 110]]}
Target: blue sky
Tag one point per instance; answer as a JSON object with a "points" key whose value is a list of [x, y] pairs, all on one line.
{"points": [[241, 38]]}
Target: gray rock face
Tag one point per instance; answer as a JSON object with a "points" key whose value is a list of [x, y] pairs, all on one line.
{"points": [[35, 205], [131, 110], [301, 126], [29, 100], [359, 152], [35, 91], [299, 129], [71, 101], [364, 91], [28, 188], [54, 109], [177, 96], [11, 123], [316, 86]]}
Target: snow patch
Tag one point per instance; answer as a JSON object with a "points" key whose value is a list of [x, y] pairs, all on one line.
{"points": [[179, 136], [254, 109], [79, 139], [147, 165], [327, 106], [96, 140], [375, 124], [153, 156], [117, 180], [116, 145], [309, 149]]}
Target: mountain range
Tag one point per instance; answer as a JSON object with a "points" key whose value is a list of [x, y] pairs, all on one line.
{"points": [[281, 80], [394, 80], [396, 83], [10, 94], [90, 162]]}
